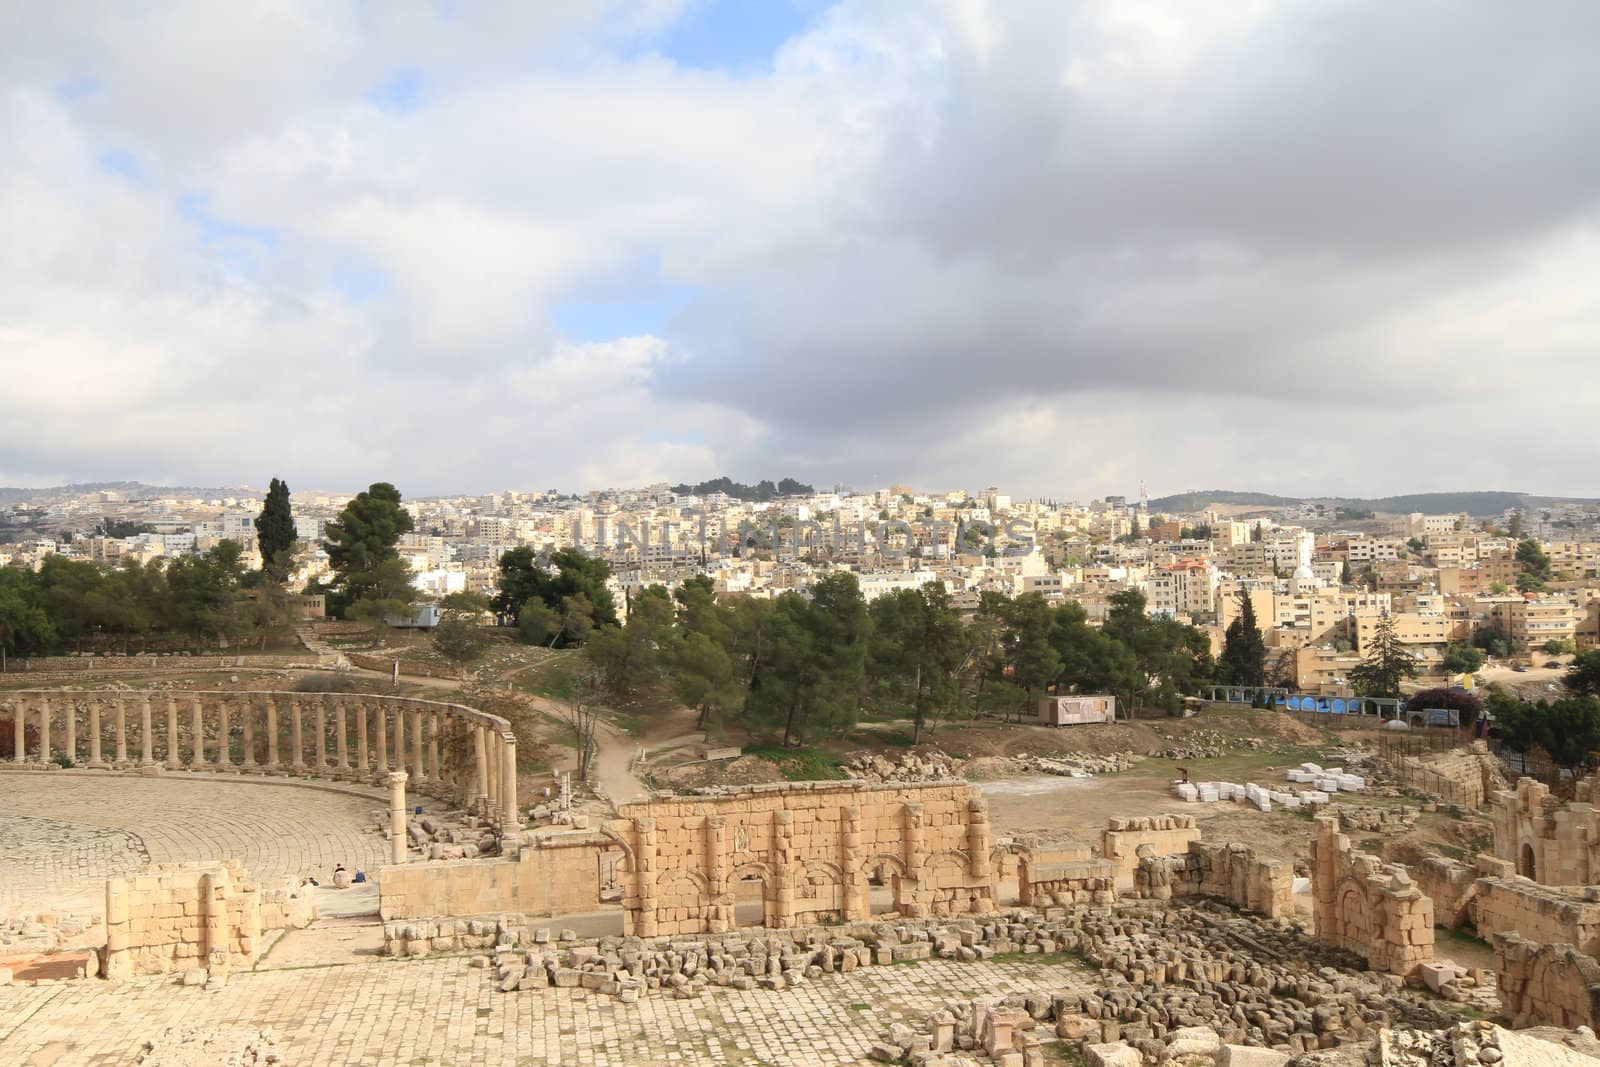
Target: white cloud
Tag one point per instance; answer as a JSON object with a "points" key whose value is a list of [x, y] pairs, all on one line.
{"points": [[1062, 247]]}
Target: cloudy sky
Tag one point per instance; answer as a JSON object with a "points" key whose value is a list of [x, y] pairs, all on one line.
{"points": [[1342, 247]]}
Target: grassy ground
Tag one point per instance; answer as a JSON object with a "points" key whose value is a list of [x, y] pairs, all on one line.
{"points": [[800, 764]]}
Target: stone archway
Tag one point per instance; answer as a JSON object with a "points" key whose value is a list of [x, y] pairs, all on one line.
{"points": [[1527, 865], [749, 890], [1353, 923], [1010, 874], [820, 894], [886, 878]]}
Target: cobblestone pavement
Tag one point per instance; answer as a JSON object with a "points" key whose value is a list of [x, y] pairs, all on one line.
{"points": [[63, 833], [441, 1011]]}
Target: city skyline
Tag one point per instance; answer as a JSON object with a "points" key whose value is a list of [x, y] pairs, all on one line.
{"points": [[1055, 247]]}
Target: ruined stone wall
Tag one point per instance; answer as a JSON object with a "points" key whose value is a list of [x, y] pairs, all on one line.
{"points": [[450, 751], [1546, 985], [1229, 872], [1366, 906], [178, 916], [1551, 842], [1545, 914], [558, 874], [810, 852], [1452, 886], [1166, 835], [409, 667], [1065, 882]]}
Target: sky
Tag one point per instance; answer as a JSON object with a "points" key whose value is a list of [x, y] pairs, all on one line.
{"points": [[1325, 247]]}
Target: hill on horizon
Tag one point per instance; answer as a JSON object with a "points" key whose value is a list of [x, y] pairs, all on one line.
{"points": [[1476, 502]]}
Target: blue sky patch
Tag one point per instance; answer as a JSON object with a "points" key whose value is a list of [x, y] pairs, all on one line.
{"points": [[730, 34], [399, 94]]}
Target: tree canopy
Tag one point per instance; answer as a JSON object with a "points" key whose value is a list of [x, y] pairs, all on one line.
{"points": [[372, 581], [275, 536], [567, 574], [1244, 651], [1386, 665]]}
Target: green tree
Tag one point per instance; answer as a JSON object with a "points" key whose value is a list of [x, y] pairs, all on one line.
{"points": [[813, 667], [1462, 659], [459, 639], [916, 646], [1386, 665], [1583, 676], [567, 573], [626, 658], [1533, 566], [25, 624], [361, 550], [1492, 641], [1345, 577], [275, 534], [537, 624], [1031, 662], [1244, 651], [1514, 527], [702, 675], [1171, 658]]}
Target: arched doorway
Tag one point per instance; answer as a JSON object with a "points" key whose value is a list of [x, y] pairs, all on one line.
{"points": [[1525, 863]]}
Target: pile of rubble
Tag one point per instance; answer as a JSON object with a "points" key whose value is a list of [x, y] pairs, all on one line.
{"points": [[1483, 1044], [1206, 744], [1253, 982], [910, 767], [456, 835], [44, 931], [1377, 820], [1077, 764], [190, 1046], [963, 1034]]}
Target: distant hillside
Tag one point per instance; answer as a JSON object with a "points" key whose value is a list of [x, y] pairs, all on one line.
{"points": [[1483, 502], [1199, 501], [131, 490]]}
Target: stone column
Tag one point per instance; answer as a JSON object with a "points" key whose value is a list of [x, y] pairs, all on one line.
{"points": [[197, 740], [857, 903], [72, 731], [491, 752], [508, 785], [399, 737], [381, 741], [19, 729], [419, 769], [979, 843], [322, 735], [116, 963], [783, 870], [342, 726], [247, 710], [720, 917], [297, 761], [95, 762], [272, 734], [122, 733], [645, 854], [214, 909], [174, 756], [435, 720], [397, 816], [44, 731], [480, 769], [916, 907], [362, 712], [224, 742], [147, 756]]}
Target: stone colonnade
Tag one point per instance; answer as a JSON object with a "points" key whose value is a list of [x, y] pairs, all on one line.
{"points": [[448, 750]]}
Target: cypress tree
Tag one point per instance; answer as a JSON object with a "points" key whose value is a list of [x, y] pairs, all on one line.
{"points": [[275, 535]]}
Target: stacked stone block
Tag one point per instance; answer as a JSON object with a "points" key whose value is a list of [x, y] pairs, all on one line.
{"points": [[1546, 985]]}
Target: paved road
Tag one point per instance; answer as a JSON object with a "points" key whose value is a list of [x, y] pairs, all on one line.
{"points": [[441, 1011], [66, 832]]}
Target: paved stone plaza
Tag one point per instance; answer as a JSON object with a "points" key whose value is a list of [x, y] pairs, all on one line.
{"points": [[442, 1011], [66, 832]]}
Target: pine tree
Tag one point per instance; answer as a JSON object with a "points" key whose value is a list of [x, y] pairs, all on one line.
{"points": [[275, 534], [1244, 651], [1387, 663]]}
